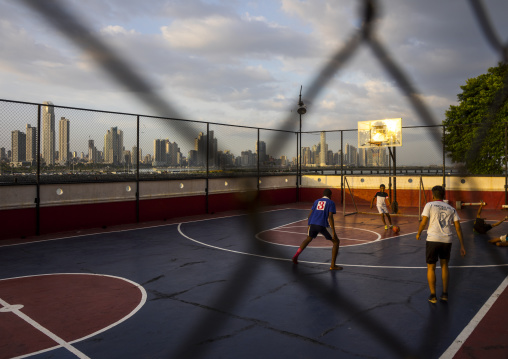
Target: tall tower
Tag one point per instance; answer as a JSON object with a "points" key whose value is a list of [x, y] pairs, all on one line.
{"points": [[64, 138], [159, 152], [113, 146], [31, 143], [48, 133], [323, 150], [18, 146], [261, 151]]}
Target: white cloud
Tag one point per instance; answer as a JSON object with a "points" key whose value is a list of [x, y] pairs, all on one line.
{"points": [[117, 30]]}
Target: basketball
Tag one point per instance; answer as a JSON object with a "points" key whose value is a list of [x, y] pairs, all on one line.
{"points": [[395, 229]]}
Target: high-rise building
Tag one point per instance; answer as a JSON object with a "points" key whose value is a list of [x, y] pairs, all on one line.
{"points": [[3, 154], [159, 152], [173, 156], [31, 143], [261, 151], [136, 154], [63, 140], [92, 152], [200, 147], [323, 149], [113, 146], [247, 158], [18, 146], [48, 133]]}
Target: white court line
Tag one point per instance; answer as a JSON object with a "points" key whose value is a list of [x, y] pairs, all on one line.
{"points": [[16, 310], [147, 227], [324, 263], [138, 307], [468, 330], [280, 229]]}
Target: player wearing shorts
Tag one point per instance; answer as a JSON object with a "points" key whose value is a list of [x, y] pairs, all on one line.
{"points": [[382, 200], [442, 219], [500, 241], [319, 221]]}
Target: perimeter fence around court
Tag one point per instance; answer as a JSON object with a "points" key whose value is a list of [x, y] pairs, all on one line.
{"points": [[46, 143], [432, 155]]}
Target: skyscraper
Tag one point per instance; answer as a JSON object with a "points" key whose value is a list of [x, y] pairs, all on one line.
{"points": [[31, 143], [18, 146], [113, 146], [64, 138], [261, 151], [48, 133], [200, 147], [92, 152], [323, 150]]}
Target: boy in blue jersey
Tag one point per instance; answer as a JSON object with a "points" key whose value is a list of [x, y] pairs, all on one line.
{"points": [[320, 219]]}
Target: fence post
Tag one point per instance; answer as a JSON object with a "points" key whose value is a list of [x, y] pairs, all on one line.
{"points": [[297, 166], [137, 169], [444, 157], [257, 150], [207, 164], [38, 185], [341, 167], [505, 166]]}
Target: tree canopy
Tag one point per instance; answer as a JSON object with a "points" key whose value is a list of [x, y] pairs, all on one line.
{"points": [[475, 129]]}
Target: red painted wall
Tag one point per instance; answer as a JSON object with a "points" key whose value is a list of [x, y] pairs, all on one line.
{"points": [[16, 223], [166, 208], [66, 218]]}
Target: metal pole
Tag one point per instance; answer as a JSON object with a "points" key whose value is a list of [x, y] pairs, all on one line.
{"points": [[444, 157], [258, 161], [137, 169], [300, 155], [207, 163], [505, 166], [342, 167], [395, 174], [297, 168], [38, 184], [390, 172]]}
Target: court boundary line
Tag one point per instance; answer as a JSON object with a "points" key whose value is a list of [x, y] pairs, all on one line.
{"points": [[471, 326], [129, 315], [12, 308], [324, 263], [379, 239], [141, 228]]}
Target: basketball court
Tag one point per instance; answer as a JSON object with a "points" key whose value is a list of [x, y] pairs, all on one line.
{"points": [[224, 286]]}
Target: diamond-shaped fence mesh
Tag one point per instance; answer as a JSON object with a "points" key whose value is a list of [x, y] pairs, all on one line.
{"points": [[423, 146], [170, 149], [18, 143]]}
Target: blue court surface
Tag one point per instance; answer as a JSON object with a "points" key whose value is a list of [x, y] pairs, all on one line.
{"points": [[216, 288]]}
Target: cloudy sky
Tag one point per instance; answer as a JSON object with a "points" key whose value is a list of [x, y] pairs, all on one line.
{"points": [[243, 62]]}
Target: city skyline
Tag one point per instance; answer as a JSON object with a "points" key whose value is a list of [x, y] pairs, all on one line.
{"points": [[233, 138]]}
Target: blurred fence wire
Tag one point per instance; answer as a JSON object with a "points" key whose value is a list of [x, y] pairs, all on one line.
{"points": [[58, 15]]}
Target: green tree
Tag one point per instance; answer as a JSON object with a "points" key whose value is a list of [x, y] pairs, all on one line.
{"points": [[475, 129]]}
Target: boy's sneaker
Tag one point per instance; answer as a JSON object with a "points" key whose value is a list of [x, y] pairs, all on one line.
{"points": [[444, 297], [433, 298]]}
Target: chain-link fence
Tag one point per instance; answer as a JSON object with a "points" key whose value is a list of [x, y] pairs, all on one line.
{"points": [[426, 147], [46, 143]]}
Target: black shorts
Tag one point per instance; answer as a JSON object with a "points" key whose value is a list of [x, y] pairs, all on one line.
{"points": [[435, 250], [314, 230], [482, 229]]}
